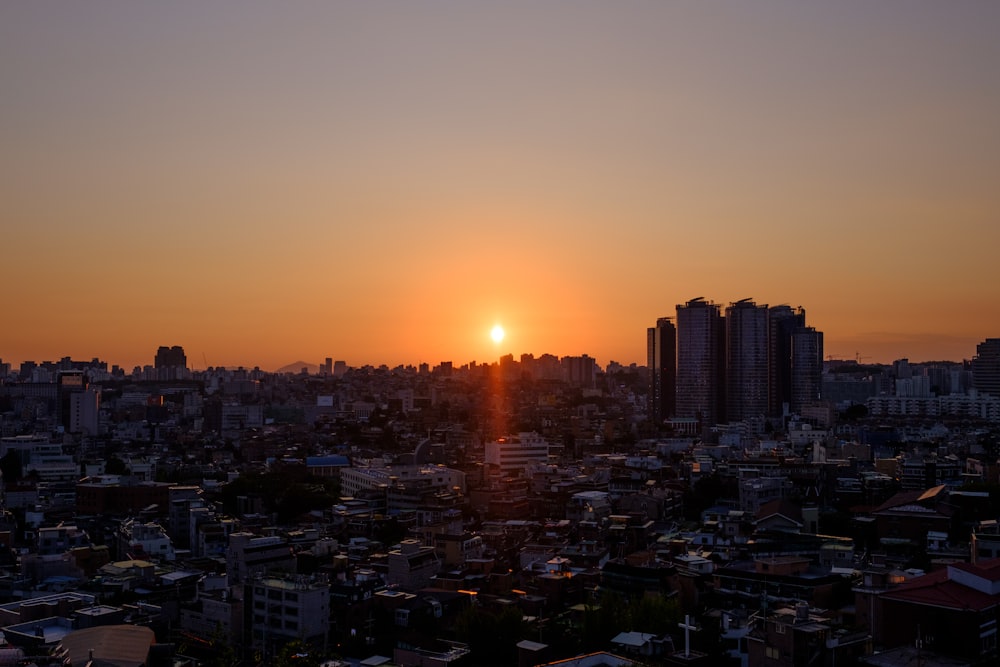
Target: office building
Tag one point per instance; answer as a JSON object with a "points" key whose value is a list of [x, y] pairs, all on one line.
{"points": [[661, 355], [701, 340]]}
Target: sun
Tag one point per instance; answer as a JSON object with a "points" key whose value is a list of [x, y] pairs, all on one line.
{"points": [[497, 334]]}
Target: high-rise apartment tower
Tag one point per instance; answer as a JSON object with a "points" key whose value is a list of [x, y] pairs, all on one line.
{"points": [[746, 361], [701, 345], [986, 367], [661, 356]]}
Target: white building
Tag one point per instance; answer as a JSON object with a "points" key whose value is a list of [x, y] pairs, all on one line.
{"points": [[353, 480], [249, 554], [289, 608], [42, 457], [412, 566], [515, 454], [145, 540]]}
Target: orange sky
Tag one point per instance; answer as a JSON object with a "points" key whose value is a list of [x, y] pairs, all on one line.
{"points": [[383, 182]]}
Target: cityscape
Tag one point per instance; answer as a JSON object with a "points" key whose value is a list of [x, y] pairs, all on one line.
{"points": [[470, 334], [741, 499]]}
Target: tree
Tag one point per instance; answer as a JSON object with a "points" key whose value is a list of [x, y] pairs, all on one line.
{"points": [[296, 654], [289, 492], [115, 466], [654, 614], [10, 466], [602, 622], [224, 651], [491, 637]]}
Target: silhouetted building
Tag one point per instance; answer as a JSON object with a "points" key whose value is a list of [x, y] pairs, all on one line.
{"points": [[661, 352], [580, 371], [807, 367], [69, 385], [783, 321], [167, 357], [986, 367], [701, 344], [746, 361], [170, 363]]}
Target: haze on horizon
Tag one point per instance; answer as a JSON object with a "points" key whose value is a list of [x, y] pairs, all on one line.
{"points": [[384, 182]]}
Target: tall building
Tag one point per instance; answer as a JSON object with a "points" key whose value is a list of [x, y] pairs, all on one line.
{"points": [[169, 357], [661, 355], [580, 371], [783, 321], [986, 367], [807, 367], [746, 361], [84, 411], [701, 367], [69, 386], [170, 363]]}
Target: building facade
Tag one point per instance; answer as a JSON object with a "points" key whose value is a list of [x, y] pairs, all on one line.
{"points": [[782, 322], [746, 361], [986, 367], [701, 341], [807, 367], [661, 360]]}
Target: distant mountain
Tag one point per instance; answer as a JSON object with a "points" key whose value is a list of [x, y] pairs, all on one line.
{"points": [[297, 367]]}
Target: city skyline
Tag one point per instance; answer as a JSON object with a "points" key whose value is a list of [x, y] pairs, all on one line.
{"points": [[264, 184]]}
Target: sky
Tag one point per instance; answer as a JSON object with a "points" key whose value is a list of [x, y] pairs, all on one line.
{"points": [[383, 182]]}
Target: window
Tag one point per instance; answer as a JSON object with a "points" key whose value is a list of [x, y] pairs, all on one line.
{"points": [[772, 653], [988, 643]]}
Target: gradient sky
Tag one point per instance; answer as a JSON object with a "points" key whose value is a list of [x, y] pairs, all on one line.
{"points": [[264, 182]]}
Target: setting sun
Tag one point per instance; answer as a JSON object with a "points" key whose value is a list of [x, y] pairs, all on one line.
{"points": [[497, 334]]}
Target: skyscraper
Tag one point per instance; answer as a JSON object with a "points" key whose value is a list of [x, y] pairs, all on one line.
{"points": [[746, 361], [701, 340], [986, 367], [783, 321], [661, 355], [807, 367]]}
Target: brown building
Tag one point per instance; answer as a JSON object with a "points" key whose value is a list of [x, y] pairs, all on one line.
{"points": [[953, 611], [96, 497], [909, 515], [799, 637]]}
